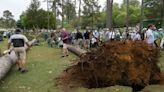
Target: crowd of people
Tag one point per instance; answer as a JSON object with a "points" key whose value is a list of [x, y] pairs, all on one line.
{"points": [[93, 38], [85, 39]]}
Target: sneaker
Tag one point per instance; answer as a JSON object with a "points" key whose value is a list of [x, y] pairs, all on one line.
{"points": [[19, 69]]}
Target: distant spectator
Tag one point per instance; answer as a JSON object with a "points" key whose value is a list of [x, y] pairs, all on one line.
{"points": [[64, 36], [45, 36], [93, 42], [162, 40], [111, 35], [87, 39], [106, 34], [137, 37], [78, 38], [118, 36], [149, 37], [52, 39], [96, 34]]}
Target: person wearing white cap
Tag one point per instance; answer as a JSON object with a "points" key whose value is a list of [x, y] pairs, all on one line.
{"points": [[162, 40], [19, 41], [149, 37], [64, 37], [137, 37], [111, 35]]}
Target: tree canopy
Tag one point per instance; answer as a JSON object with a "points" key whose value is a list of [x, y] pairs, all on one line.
{"points": [[74, 13], [34, 17], [7, 21]]}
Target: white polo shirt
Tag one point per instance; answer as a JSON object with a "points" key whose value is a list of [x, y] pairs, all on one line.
{"points": [[18, 36], [149, 36]]}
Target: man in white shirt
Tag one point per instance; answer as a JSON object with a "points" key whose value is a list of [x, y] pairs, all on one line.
{"points": [[137, 37], [18, 41], [106, 34], [162, 40], [149, 37], [111, 35], [96, 34]]}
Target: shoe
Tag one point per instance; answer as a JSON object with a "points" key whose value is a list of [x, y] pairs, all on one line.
{"points": [[24, 71], [19, 69], [67, 55], [62, 56]]}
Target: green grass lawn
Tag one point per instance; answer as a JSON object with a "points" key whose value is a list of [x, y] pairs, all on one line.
{"points": [[44, 65]]}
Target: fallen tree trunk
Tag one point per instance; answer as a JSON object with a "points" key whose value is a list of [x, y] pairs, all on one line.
{"points": [[77, 51], [8, 60]]}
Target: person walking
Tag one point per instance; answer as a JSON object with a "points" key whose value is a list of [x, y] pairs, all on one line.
{"points": [[64, 37], [149, 37], [19, 41]]}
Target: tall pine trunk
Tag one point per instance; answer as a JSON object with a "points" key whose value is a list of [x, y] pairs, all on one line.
{"points": [[162, 13], [48, 16], [62, 13], [109, 13], [79, 14], [141, 17], [54, 8], [127, 15]]}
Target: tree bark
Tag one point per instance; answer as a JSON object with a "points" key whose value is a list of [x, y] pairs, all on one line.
{"points": [[162, 11], [54, 8], [77, 51], [141, 18], [79, 24], [62, 13], [48, 17], [7, 61], [109, 13], [127, 15]]}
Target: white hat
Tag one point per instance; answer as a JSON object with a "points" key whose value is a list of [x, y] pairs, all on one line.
{"points": [[63, 29], [160, 29]]}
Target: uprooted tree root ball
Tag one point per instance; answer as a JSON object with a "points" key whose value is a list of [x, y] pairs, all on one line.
{"points": [[127, 63]]}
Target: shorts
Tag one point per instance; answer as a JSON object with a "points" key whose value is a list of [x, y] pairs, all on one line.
{"points": [[20, 53], [64, 46], [79, 42], [87, 42]]}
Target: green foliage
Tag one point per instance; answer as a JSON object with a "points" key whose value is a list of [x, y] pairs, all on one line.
{"points": [[119, 15], [7, 14], [7, 21], [91, 14], [153, 12], [69, 10], [153, 9], [19, 24], [34, 17]]}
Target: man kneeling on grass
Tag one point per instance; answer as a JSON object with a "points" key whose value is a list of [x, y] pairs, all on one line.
{"points": [[18, 41]]}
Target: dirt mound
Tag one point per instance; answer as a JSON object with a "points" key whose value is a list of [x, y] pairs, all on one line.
{"points": [[115, 63]]}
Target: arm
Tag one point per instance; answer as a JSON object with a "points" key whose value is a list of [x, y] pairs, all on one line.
{"points": [[28, 44], [26, 41], [9, 44]]}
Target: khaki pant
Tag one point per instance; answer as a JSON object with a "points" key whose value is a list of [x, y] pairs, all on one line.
{"points": [[79, 43], [20, 53], [86, 43]]}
